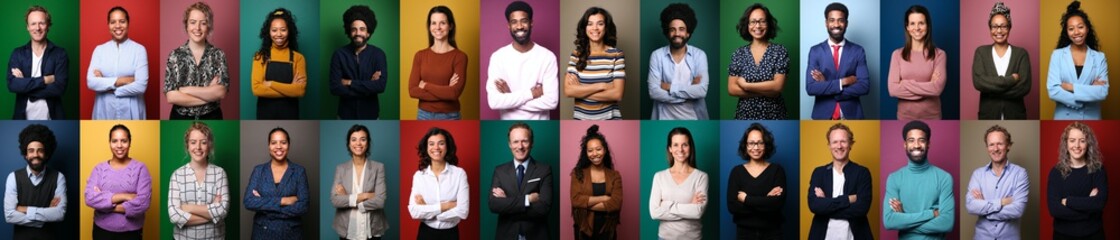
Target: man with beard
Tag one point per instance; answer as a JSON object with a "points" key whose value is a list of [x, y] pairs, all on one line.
{"points": [[521, 190], [38, 72], [919, 197], [358, 70], [837, 73], [35, 196], [678, 73], [840, 192], [522, 82], [997, 193]]}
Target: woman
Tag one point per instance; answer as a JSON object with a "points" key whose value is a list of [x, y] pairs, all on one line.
{"points": [[439, 71], [279, 75], [119, 191], [440, 196], [359, 191], [1077, 187], [197, 73], [758, 70], [596, 189], [1078, 77], [755, 190], [596, 69], [1001, 72], [680, 193], [198, 195], [118, 73], [277, 192], [917, 73]]}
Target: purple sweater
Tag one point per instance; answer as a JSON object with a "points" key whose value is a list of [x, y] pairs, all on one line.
{"points": [[133, 178]]}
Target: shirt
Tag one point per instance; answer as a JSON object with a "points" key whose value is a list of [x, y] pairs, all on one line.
{"points": [[358, 227], [522, 71], [184, 188], [914, 84], [37, 108], [279, 89], [127, 59], [603, 67], [30, 89], [671, 204], [35, 216], [451, 186], [921, 187], [683, 100], [997, 221], [182, 71], [359, 100], [838, 228], [132, 178], [1001, 62]]}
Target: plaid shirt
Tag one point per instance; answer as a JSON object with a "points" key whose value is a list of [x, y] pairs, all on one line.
{"points": [[185, 189]]}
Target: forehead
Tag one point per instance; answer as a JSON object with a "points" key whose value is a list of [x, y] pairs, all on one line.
{"points": [[595, 17], [679, 138], [518, 15], [357, 23], [278, 135], [754, 135], [838, 133], [758, 14], [677, 23], [1074, 20], [359, 134], [436, 138], [438, 17], [119, 133], [836, 14], [278, 22], [117, 14], [195, 134], [197, 14], [1076, 133], [519, 133], [916, 16], [37, 15], [34, 145], [915, 133], [594, 143]]}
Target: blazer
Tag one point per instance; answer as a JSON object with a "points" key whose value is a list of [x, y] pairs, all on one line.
{"points": [[271, 220], [373, 181], [514, 218], [1001, 96], [55, 62], [853, 62], [857, 180], [1085, 100], [582, 215]]}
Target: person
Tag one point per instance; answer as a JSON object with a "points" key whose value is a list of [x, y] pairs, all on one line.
{"points": [[840, 192], [680, 193], [440, 196], [521, 78], [997, 192], [197, 73], [678, 73], [279, 74], [198, 192], [521, 190], [118, 73], [1001, 72], [596, 69], [596, 189], [359, 72], [359, 191], [119, 191], [35, 195], [918, 201], [756, 189], [917, 73], [1077, 187], [439, 72], [277, 192], [38, 71], [837, 90], [758, 70], [1079, 86]]}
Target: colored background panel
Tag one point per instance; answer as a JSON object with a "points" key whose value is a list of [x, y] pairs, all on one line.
{"points": [[624, 151], [656, 159], [785, 155], [466, 135], [704, 37], [1107, 133], [63, 161], [496, 152], [974, 33], [863, 29], [334, 151], [546, 33], [332, 37], [974, 155], [63, 33], [174, 155], [865, 152], [304, 150], [306, 13], [144, 148], [943, 152], [625, 16], [223, 35], [946, 36], [786, 12], [143, 28], [1103, 16], [414, 37]]}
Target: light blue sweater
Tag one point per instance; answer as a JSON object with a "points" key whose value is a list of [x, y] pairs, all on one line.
{"points": [[921, 187]]}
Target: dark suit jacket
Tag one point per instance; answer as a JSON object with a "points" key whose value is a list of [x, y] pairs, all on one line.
{"points": [[853, 62], [514, 217], [857, 180], [1001, 95], [55, 62]]}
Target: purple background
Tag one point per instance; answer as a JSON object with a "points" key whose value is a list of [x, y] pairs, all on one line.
{"points": [[494, 34], [944, 152]]}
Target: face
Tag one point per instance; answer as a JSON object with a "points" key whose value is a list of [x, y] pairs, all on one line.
{"points": [[679, 148], [278, 31], [837, 24], [997, 146], [916, 26], [198, 27], [756, 147], [119, 144], [520, 143], [36, 156], [359, 33], [198, 146], [437, 147], [917, 145], [595, 151], [1077, 30], [596, 27], [278, 146], [358, 143], [757, 24], [37, 25], [1076, 143], [839, 144], [520, 26], [1000, 29], [118, 26], [439, 27], [678, 34]]}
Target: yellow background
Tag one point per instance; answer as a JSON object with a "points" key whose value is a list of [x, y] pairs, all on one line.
{"points": [[145, 148], [815, 153], [414, 37], [1104, 18]]}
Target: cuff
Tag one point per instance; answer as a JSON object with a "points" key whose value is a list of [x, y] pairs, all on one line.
{"points": [[353, 200], [526, 200]]}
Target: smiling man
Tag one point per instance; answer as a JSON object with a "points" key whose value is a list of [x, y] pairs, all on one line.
{"points": [[840, 192], [918, 200], [522, 82], [997, 193], [358, 73], [35, 196], [38, 72], [521, 191]]}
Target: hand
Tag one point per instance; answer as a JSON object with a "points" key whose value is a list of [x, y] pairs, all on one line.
{"points": [[534, 197], [119, 209], [699, 198], [96, 189], [419, 200], [742, 196], [121, 81], [1093, 193], [362, 197], [48, 79], [454, 80], [289, 200], [696, 80], [848, 81], [818, 192], [345, 82], [1063, 201], [97, 73], [503, 87], [215, 81], [537, 91], [936, 213], [376, 76], [256, 194], [21, 209], [896, 205], [55, 201], [571, 79], [217, 198], [976, 194], [1067, 86], [123, 197], [1015, 76], [444, 206], [17, 73], [852, 198], [498, 193], [666, 86], [1005, 201], [422, 84], [340, 190], [817, 75], [776, 191], [1099, 82]]}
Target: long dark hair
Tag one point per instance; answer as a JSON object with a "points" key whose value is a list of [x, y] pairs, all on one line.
{"points": [[354, 129], [584, 160], [265, 52], [691, 161], [927, 42], [422, 148], [450, 21], [583, 42], [1074, 9]]}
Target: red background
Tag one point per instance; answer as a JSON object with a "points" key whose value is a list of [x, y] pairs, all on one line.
{"points": [[466, 140], [143, 27], [1108, 136]]}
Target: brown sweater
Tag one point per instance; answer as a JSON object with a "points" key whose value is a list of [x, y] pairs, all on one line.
{"points": [[436, 69], [581, 191]]}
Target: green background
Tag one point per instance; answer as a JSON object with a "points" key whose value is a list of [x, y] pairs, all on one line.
{"points": [[332, 37], [654, 159], [174, 155], [306, 13], [704, 37], [495, 151], [63, 33], [786, 12]]}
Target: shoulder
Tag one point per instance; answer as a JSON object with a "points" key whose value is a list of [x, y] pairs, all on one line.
{"points": [[509, 165], [295, 166], [375, 164], [542, 50], [776, 167], [136, 46], [940, 53], [777, 48], [459, 53], [615, 52], [664, 173], [852, 44], [137, 164], [217, 169]]}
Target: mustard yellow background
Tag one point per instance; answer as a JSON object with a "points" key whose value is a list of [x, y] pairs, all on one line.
{"points": [[815, 153], [95, 150], [1104, 18], [414, 37]]}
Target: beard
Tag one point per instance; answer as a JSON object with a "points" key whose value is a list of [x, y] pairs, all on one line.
{"points": [[837, 36], [358, 40], [917, 158], [38, 167], [521, 39], [673, 43]]}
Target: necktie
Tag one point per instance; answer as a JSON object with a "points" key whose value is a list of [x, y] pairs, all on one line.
{"points": [[836, 63], [520, 176]]}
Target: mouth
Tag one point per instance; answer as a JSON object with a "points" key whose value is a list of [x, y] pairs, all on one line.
{"points": [[915, 153], [520, 33], [758, 31], [835, 30]]}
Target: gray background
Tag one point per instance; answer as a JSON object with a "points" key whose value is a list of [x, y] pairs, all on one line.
{"points": [[304, 150], [1023, 152]]}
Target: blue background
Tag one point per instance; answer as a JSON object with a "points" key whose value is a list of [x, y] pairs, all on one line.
{"points": [[945, 30], [65, 160], [863, 29], [333, 151], [786, 139]]}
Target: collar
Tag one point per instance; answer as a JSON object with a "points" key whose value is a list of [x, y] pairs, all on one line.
{"points": [[841, 43], [522, 163], [918, 167], [32, 173]]}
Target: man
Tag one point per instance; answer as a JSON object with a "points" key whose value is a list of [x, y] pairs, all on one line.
{"points": [[522, 79], [678, 73], [358, 70], [919, 197], [840, 192], [997, 193], [38, 71], [521, 191], [35, 196], [837, 74]]}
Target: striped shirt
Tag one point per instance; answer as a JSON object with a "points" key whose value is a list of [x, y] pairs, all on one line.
{"points": [[184, 188], [602, 67]]}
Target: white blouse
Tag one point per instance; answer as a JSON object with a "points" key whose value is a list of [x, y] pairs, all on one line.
{"points": [[671, 203], [451, 186]]}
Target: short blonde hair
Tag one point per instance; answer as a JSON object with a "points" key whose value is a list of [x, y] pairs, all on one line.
{"points": [[201, 7], [38, 8]]}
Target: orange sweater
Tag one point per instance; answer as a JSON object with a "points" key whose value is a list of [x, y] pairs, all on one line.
{"points": [[277, 89], [436, 69]]}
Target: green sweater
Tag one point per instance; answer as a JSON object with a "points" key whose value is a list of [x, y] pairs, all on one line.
{"points": [[921, 187]]}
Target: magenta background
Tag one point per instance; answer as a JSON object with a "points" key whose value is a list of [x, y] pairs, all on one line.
{"points": [[172, 34], [622, 137], [494, 34], [944, 152], [974, 33]]}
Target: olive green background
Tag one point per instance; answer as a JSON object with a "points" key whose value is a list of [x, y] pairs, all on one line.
{"points": [[495, 151], [63, 33], [173, 155], [654, 154], [332, 36], [786, 12]]}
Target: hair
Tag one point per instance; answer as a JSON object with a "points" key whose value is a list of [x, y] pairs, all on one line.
{"points": [[114, 9], [677, 11], [1000, 9], [422, 148], [840, 126], [38, 8], [450, 22], [998, 128], [519, 6], [37, 133], [915, 124], [691, 161], [927, 41], [120, 127], [201, 127], [354, 129], [1074, 9], [201, 7], [1092, 150], [767, 139], [583, 42], [523, 126], [744, 26], [836, 6], [584, 160], [279, 129], [359, 13], [264, 53]]}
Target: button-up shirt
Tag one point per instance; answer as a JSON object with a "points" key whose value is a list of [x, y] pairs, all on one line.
{"points": [[683, 100], [35, 216], [997, 221], [185, 188], [451, 186], [127, 59]]}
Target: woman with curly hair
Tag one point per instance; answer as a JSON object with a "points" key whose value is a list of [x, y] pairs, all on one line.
{"points": [[279, 76], [596, 69], [1078, 76], [1077, 188], [596, 189], [440, 196]]}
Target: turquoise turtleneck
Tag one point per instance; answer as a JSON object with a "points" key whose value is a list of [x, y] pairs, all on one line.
{"points": [[921, 187]]}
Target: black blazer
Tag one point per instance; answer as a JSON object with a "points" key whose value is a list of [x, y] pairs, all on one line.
{"points": [[857, 179], [513, 216], [1001, 95], [55, 62]]}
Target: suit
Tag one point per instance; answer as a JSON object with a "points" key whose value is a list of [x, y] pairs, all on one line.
{"points": [[857, 181], [372, 181], [514, 218], [1001, 96], [853, 62], [55, 62], [1085, 100]]}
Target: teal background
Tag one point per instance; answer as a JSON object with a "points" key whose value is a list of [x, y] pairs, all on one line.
{"points": [[174, 155], [63, 32], [704, 37], [655, 158], [786, 12], [495, 151], [306, 13], [332, 36], [333, 151]]}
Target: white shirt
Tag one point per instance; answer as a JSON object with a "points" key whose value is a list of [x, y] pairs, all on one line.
{"points": [[35, 216], [37, 110], [682, 76], [118, 60], [359, 217], [838, 228], [1001, 62], [522, 71], [451, 186], [671, 204]]}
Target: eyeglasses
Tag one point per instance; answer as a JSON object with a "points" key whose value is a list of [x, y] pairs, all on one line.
{"points": [[1000, 27], [756, 144], [757, 22]]}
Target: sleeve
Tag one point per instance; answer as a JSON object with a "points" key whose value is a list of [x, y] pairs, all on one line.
{"points": [[497, 99], [94, 83], [864, 196], [579, 197], [1023, 86], [371, 87], [812, 86], [261, 203], [550, 87], [303, 196], [544, 202], [699, 91], [219, 210], [822, 206], [935, 86], [770, 204], [35, 86], [733, 204], [946, 208], [1054, 83], [294, 89], [337, 200], [99, 201], [1054, 195], [615, 193], [51, 214], [177, 215], [10, 200], [334, 76], [1018, 196], [659, 209], [653, 83], [256, 83], [1095, 203], [417, 211], [140, 73], [668, 210], [379, 190], [511, 204], [137, 206], [462, 201], [862, 86], [901, 220], [171, 75], [414, 89], [1093, 93], [895, 82], [980, 207], [452, 92]]}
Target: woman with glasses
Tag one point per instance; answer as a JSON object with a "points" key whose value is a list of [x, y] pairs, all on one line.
{"points": [[755, 190]]}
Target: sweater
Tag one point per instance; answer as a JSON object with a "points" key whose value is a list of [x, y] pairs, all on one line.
{"points": [[1081, 215], [436, 70], [921, 187], [914, 84], [279, 89], [758, 211]]}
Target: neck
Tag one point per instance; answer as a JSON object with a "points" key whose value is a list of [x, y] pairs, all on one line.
{"points": [[122, 40], [764, 42], [198, 164], [1081, 47], [679, 51], [523, 47], [196, 45], [285, 46], [839, 163], [1001, 46], [597, 46], [679, 166], [1076, 163], [36, 173], [279, 162], [358, 159], [441, 46], [917, 45], [438, 166], [121, 160], [597, 167], [520, 161], [757, 161], [835, 41], [999, 165], [39, 44]]}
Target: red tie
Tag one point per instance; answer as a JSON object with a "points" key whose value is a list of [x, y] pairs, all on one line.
{"points": [[836, 62]]}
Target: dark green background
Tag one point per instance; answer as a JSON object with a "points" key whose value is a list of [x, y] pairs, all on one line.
{"points": [[786, 12], [495, 151], [654, 159], [704, 37], [63, 32], [173, 155], [332, 37]]}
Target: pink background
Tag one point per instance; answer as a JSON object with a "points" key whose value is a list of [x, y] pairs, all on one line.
{"points": [[495, 34], [974, 33], [944, 152], [223, 35], [621, 136]]}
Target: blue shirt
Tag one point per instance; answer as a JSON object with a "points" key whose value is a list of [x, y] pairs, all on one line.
{"points": [[127, 59], [921, 187], [273, 221], [689, 97], [359, 100], [998, 221], [1084, 103], [35, 216]]}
